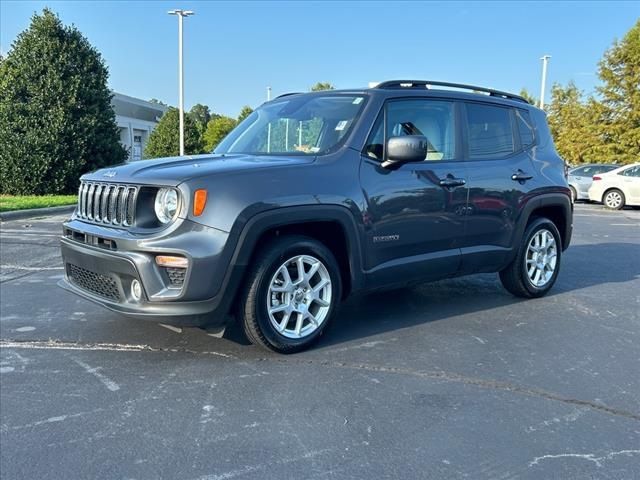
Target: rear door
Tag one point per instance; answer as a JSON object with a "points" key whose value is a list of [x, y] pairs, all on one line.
{"points": [[500, 176], [414, 214]]}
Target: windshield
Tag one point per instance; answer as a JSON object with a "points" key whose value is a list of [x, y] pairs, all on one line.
{"points": [[295, 125]]}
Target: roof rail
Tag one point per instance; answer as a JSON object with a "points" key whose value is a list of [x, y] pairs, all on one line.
{"points": [[287, 94], [429, 83]]}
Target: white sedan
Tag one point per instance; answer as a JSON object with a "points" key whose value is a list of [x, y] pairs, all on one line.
{"points": [[617, 188]]}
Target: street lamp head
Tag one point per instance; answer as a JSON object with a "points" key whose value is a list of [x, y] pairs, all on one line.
{"points": [[182, 13]]}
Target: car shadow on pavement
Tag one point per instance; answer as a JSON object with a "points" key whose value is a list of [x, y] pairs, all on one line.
{"points": [[366, 315]]}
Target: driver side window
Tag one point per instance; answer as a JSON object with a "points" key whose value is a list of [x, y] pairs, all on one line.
{"points": [[433, 119]]}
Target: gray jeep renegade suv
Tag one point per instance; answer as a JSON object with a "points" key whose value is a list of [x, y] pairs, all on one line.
{"points": [[316, 196]]}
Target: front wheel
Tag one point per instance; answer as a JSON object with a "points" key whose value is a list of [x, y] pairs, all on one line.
{"points": [[290, 295], [535, 268]]}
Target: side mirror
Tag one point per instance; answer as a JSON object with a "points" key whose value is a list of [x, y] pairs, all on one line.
{"points": [[406, 149]]}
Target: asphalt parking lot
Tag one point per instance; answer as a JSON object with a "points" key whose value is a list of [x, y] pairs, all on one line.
{"points": [[454, 379]]}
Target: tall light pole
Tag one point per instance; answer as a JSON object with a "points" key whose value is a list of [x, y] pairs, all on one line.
{"points": [[545, 60], [180, 14], [269, 126]]}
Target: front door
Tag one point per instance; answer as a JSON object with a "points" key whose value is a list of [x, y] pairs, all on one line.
{"points": [[414, 214]]}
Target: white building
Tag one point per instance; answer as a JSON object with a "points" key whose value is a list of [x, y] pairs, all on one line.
{"points": [[136, 120]]}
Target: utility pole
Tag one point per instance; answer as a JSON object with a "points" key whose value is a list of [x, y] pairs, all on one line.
{"points": [[180, 14], [545, 60]]}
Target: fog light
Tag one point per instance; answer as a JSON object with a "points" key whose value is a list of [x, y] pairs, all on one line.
{"points": [[136, 290]]}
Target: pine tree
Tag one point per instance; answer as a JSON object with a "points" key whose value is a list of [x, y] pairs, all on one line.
{"points": [[56, 118], [318, 87], [572, 124], [164, 141], [217, 129], [244, 113], [619, 71]]}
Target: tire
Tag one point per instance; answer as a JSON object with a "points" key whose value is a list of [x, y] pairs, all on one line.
{"points": [[517, 276], [614, 199], [270, 318], [574, 194]]}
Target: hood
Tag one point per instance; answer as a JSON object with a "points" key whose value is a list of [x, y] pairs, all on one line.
{"points": [[172, 171]]}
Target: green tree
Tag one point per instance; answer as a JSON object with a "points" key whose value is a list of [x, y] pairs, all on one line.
{"points": [[619, 115], [159, 102], [217, 129], [244, 113], [164, 141], [322, 86], [56, 118], [201, 116], [528, 97], [573, 124]]}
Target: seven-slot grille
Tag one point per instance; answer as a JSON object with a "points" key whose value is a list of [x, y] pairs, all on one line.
{"points": [[107, 203]]}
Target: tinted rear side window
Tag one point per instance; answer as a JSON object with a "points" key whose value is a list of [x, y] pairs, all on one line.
{"points": [[525, 127], [490, 131]]}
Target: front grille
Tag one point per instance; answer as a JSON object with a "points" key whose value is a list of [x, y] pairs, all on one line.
{"points": [[176, 276], [106, 203], [101, 285]]}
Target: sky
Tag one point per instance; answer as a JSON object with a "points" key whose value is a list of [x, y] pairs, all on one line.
{"points": [[234, 50]]}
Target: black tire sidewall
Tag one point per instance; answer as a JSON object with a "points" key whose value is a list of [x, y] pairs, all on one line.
{"points": [[574, 194], [278, 254], [532, 229]]}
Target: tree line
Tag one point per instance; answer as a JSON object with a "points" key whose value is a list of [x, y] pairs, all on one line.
{"points": [[603, 127], [57, 121], [203, 129]]}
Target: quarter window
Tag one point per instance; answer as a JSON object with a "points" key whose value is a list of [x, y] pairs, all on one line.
{"points": [[525, 127], [375, 144], [490, 132]]}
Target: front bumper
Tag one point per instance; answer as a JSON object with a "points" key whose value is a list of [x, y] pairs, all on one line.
{"points": [[101, 263]]}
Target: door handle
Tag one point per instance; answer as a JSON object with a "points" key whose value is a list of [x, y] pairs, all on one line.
{"points": [[521, 177], [451, 182]]}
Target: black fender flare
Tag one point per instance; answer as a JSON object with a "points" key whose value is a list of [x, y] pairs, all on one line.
{"points": [[245, 235], [557, 199]]}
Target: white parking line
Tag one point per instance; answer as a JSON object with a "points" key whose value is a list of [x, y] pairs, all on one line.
{"points": [[106, 381]]}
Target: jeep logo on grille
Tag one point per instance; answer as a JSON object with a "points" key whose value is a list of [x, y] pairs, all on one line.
{"points": [[110, 173]]}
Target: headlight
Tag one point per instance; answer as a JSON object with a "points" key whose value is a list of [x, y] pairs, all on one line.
{"points": [[166, 205]]}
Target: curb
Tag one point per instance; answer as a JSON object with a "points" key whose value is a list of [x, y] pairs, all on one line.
{"points": [[36, 212]]}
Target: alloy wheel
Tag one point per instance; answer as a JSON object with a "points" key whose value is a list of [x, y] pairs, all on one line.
{"points": [[541, 258], [613, 200], [299, 296]]}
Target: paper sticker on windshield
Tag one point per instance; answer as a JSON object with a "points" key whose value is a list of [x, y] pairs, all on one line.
{"points": [[357, 101], [341, 124]]}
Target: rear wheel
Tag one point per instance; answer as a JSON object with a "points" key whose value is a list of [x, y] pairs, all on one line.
{"points": [[291, 294], [614, 199], [535, 268]]}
